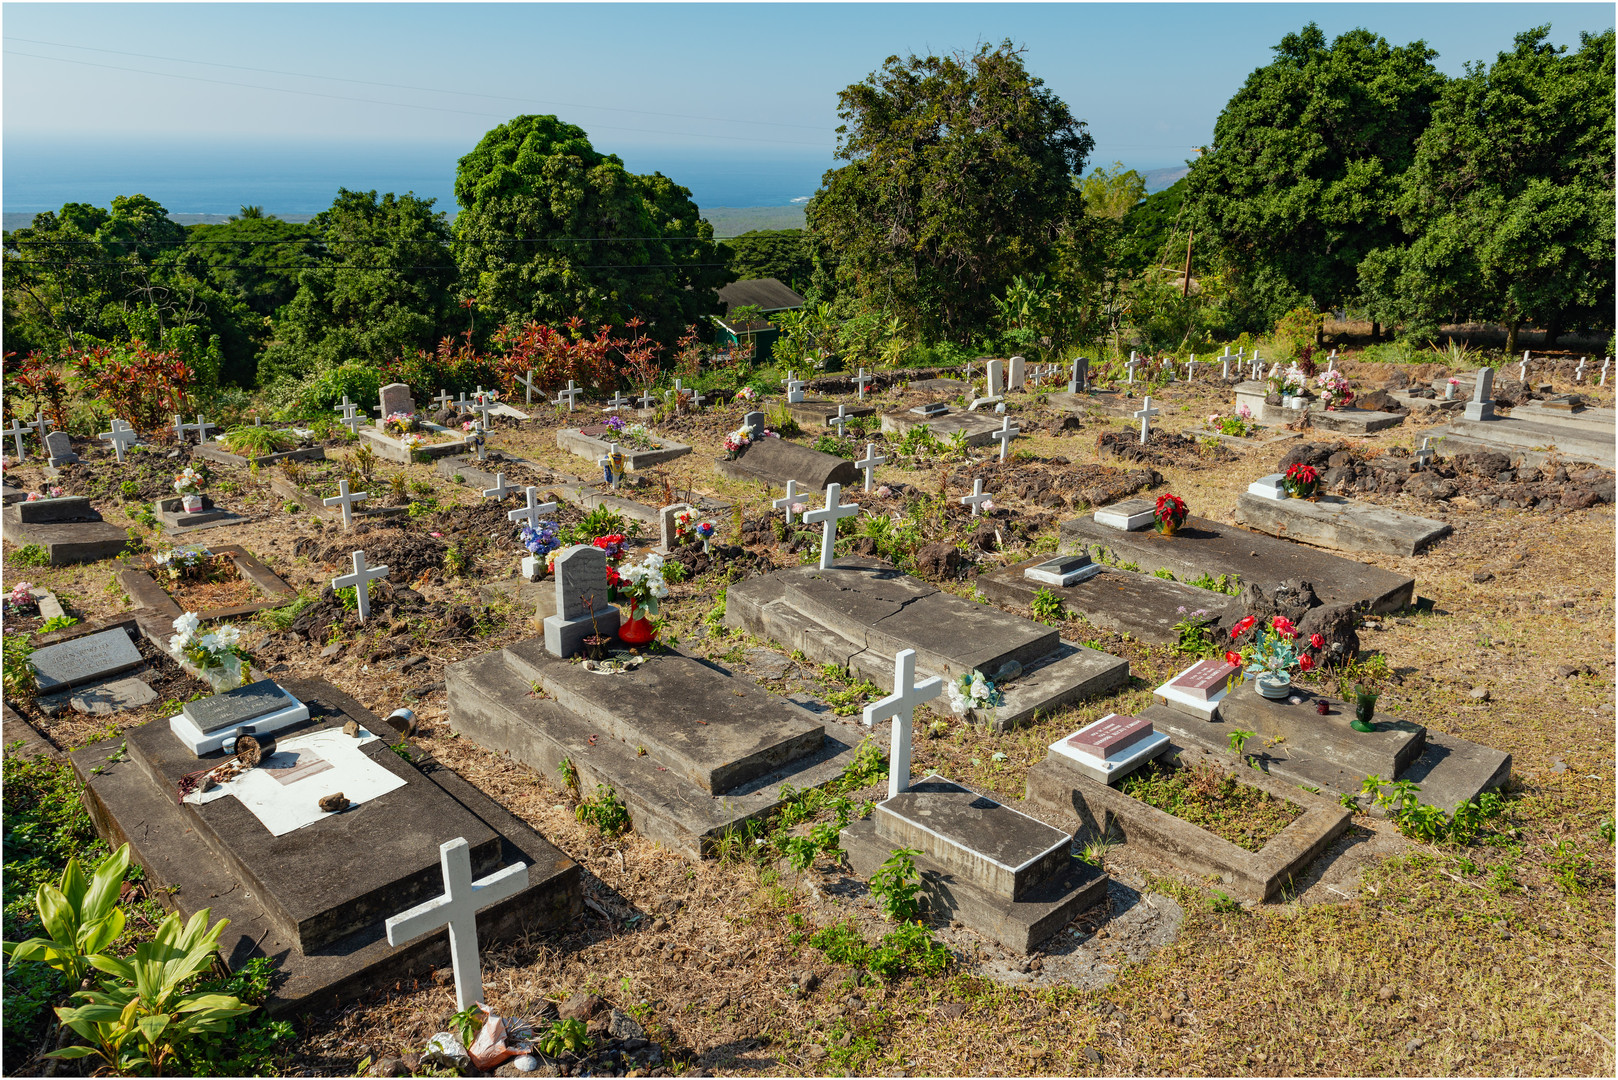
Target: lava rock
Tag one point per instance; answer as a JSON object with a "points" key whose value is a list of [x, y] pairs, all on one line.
{"points": [[938, 560], [580, 1007]]}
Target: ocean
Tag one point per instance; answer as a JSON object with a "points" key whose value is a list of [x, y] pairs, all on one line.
{"points": [[218, 176]]}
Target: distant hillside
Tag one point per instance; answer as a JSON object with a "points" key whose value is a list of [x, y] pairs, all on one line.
{"points": [[1160, 179]]}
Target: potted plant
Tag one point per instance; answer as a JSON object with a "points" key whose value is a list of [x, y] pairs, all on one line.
{"points": [[539, 543], [642, 584], [1302, 481], [1271, 655], [188, 483], [1170, 514], [215, 656]]}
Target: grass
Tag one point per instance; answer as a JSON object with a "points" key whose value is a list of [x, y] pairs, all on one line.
{"points": [[1213, 799]]}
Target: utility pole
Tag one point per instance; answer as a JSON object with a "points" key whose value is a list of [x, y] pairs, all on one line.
{"points": [[1185, 289]]}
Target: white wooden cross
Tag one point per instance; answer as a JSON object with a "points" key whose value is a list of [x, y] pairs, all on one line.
{"points": [[901, 705], [1131, 366], [1144, 415], [484, 407], [1191, 367], [1578, 372], [458, 910], [1522, 368], [1331, 362], [180, 428], [346, 500], [15, 431], [464, 404], [1226, 373], [618, 401], [442, 400], [361, 579], [606, 463], [352, 421], [1425, 454], [839, 420], [346, 407], [500, 490], [1604, 365], [784, 503], [527, 383], [859, 383], [646, 398], [533, 511], [869, 462], [571, 393], [827, 517], [121, 436], [794, 389], [978, 496], [697, 399], [1006, 434]]}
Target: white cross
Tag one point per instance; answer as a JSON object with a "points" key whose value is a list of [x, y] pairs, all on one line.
{"points": [[859, 384], [346, 501], [869, 462], [570, 394], [442, 400], [1578, 373], [352, 421], [464, 404], [978, 496], [484, 407], [827, 517], [838, 421], [1258, 367], [1425, 454], [533, 511], [1144, 415], [346, 407], [1131, 366], [696, 400], [1604, 365], [646, 399], [1331, 362], [16, 431], [1522, 368], [785, 503], [527, 383], [180, 428], [1190, 367], [606, 463], [792, 377], [500, 490], [361, 579], [901, 705], [618, 401], [121, 436], [1226, 373], [794, 389], [458, 910], [1006, 434]]}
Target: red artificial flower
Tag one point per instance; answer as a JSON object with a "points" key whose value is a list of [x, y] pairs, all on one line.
{"points": [[1317, 641], [1170, 508], [1282, 624], [1305, 662], [1242, 627], [1234, 658], [1304, 474], [613, 579]]}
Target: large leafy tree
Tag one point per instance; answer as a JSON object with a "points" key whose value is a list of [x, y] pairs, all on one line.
{"points": [[1509, 203], [384, 288], [959, 178], [551, 229], [1306, 161], [783, 254]]}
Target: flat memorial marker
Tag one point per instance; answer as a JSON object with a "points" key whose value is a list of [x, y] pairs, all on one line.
{"points": [[1131, 515], [1063, 571], [1272, 486], [1112, 747], [1199, 687], [235, 707], [85, 659]]}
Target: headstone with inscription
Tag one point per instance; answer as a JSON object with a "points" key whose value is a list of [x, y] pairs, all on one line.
{"points": [[1130, 515], [1481, 407], [84, 659], [259, 708], [59, 448], [395, 398], [1016, 374], [669, 527], [1199, 687], [581, 601], [1110, 748]]}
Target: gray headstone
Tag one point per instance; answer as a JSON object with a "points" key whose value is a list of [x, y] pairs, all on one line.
{"points": [[1079, 380], [581, 576], [113, 696], [1483, 386], [60, 448], [235, 707], [396, 399], [85, 659], [665, 518], [754, 423], [997, 378], [1014, 380]]}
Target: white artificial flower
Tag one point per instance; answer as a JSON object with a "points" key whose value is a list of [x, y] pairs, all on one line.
{"points": [[187, 624]]}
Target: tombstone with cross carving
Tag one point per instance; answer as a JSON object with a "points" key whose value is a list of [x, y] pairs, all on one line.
{"points": [[582, 609]]}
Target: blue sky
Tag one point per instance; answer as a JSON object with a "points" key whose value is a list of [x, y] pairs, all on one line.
{"points": [[727, 80]]}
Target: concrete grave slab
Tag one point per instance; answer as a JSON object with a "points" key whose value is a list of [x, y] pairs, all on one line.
{"points": [[82, 660], [390, 447], [1527, 442], [592, 448], [812, 414], [177, 521], [52, 511], [148, 595], [979, 428], [1140, 605], [1098, 810], [215, 451], [1204, 547], [1130, 515], [315, 898], [101, 698], [1354, 421], [986, 842], [85, 539], [775, 461], [1340, 524], [942, 387]]}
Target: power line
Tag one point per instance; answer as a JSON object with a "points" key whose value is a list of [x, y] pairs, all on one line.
{"points": [[339, 266], [452, 242], [419, 89], [394, 104]]}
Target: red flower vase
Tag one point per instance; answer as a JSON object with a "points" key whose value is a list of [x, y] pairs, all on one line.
{"points": [[636, 630]]}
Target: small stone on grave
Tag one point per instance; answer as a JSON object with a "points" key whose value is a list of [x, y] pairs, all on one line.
{"points": [[1205, 680], [1272, 486], [1064, 571], [82, 660], [236, 707], [1130, 515], [1111, 736], [334, 802]]}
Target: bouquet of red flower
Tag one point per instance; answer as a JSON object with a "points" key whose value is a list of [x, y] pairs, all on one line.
{"points": [[1171, 513], [612, 544], [1302, 481]]}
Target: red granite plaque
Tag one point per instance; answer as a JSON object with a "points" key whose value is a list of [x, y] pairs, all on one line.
{"points": [[1111, 735], [1205, 680]]}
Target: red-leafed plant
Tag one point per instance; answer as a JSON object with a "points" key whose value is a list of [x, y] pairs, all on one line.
{"points": [[1301, 481], [1171, 511], [40, 380], [140, 385]]}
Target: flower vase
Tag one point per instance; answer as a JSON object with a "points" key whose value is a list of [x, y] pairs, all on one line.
{"points": [[192, 503], [1364, 710], [1449, 392], [637, 629], [1274, 686], [533, 567]]}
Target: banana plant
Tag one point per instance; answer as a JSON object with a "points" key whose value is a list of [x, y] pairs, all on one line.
{"points": [[81, 916], [139, 1020]]}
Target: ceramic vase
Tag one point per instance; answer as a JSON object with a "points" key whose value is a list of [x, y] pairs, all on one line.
{"points": [[1274, 687], [191, 503], [637, 629]]}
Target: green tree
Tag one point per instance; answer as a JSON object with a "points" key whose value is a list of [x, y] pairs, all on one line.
{"points": [[1112, 193], [254, 258], [783, 254], [959, 178], [1300, 181], [385, 289], [1509, 204], [551, 229]]}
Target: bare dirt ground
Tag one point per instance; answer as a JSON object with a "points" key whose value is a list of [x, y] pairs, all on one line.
{"points": [[1392, 957]]}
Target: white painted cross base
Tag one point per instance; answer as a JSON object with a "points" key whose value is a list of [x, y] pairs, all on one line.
{"points": [[458, 910], [533, 567]]}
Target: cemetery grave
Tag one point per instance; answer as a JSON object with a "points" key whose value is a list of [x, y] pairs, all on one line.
{"points": [[221, 582]]}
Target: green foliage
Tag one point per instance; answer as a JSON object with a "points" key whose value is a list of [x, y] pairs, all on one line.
{"points": [[57, 622], [1573, 870], [1238, 739], [602, 521], [1229, 584], [1196, 633], [783, 254], [80, 917], [567, 771], [897, 886], [958, 179], [256, 441], [248, 1045], [465, 1024], [836, 447], [1047, 606], [605, 811], [142, 1016], [30, 555], [16, 671], [281, 619], [565, 1036], [908, 950]]}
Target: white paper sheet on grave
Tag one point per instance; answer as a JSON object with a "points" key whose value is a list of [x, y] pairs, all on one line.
{"points": [[285, 790]]}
